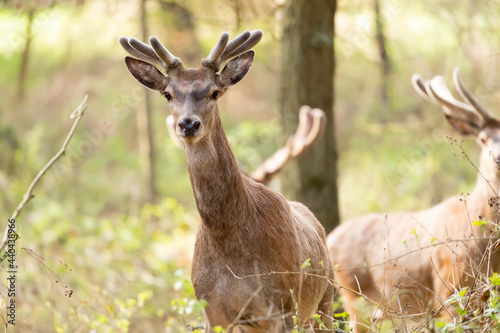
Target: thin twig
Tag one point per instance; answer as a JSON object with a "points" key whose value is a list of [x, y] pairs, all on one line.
{"points": [[328, 279], [445, 242], [245, 306], [459, 145], [77, 115]]}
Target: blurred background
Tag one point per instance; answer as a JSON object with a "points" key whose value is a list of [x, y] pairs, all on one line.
{"points": [[106, 243]]}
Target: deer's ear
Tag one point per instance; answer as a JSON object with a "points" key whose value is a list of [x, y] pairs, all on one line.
{"points": [[235, 69], [463, 127], [146, 74]]}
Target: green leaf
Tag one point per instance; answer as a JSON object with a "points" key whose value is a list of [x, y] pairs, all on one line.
{"points": [[341, 315], [482, 222], [461, 312], [495, 279], [463, 291]]}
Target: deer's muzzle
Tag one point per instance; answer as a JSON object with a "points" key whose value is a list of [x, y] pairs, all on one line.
{"points": [[189, 126]]}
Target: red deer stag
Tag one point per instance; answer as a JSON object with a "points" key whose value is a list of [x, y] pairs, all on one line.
{"points": [[404, 261], [251, 243], [312, 124]]}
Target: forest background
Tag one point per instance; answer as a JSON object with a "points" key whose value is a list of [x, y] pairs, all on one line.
{"points": [[107, 241]]}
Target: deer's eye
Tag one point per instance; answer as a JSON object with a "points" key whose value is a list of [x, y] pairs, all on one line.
{"points": [[167, 96], [215, 94]]}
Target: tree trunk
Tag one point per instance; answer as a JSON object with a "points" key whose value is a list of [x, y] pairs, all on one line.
{"points": [[23, 69], [145, 129], [237, 13], [307, 77], [182, 36], [384, 58]]}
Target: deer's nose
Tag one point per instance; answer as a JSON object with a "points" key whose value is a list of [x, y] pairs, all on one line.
{"points": [[189, 127]]}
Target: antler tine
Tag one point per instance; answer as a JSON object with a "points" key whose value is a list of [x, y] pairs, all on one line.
{"points": [[143, 48], [435, 100], [161, 51], [213, 57], [305, 123], [432, 97], [312, 125], [440, 92], [418, 83], [468, 96], [318, 127], [245, 45], [234, 44], [140, 50]]}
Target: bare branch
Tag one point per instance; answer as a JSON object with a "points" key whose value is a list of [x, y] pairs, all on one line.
{"points": [[245, 306], [77, 115], [445, 242]]}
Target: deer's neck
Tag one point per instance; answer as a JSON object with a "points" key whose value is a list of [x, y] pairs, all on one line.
{"points": [[218, 185], [485, 195]]}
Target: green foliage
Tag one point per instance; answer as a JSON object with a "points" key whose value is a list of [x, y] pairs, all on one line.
{"points": [[477, 311], [342, 321], [495, 279], [320, 323]]}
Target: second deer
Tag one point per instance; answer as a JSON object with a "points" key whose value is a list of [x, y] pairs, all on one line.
{"points": [[403, 261]]}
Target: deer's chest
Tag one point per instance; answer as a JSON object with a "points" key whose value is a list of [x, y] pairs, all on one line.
{"points": [[219, 283], [216, 273], [225, 273]]}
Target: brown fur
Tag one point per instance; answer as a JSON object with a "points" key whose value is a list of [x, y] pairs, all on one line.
{"points": [[250, 237], [249, 229], [379, 255]]}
